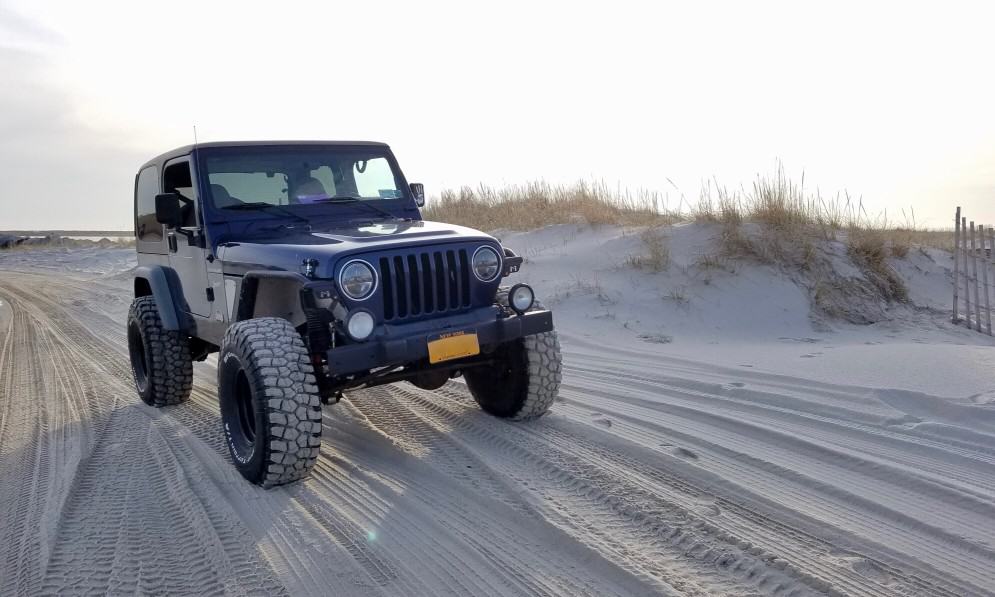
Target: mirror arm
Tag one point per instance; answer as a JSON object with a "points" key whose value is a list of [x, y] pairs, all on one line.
{"points": [[193, 234]]}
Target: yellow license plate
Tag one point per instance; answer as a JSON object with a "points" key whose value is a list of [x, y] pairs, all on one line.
{"points": [[454, 345]]}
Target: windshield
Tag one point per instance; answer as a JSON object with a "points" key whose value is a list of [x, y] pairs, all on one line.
{"points": [[300, 176]]}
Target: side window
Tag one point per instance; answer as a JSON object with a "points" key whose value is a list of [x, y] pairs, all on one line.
{"points": [[176, 179], [147, 229], [376, 179]]}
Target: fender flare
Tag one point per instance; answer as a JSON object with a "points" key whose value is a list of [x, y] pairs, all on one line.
{"points": [[158, 278]]}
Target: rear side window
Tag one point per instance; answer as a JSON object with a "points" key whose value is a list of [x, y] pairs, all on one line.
{"points": [[147, 229]]}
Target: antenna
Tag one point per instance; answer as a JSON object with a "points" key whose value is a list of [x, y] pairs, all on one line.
{"points": [[195, 134]]}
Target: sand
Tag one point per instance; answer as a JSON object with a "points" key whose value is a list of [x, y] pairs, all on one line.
{"points": [[714, 435]]}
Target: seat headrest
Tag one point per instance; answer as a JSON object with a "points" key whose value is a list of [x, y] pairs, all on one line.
{"points": [[220, 194], [310, 188]]}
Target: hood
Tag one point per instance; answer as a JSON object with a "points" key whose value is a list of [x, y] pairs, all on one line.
{"points": [[286, 249]]}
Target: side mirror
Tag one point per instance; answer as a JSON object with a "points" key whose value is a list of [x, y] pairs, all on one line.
{"points": [[418, 192], [167, 210]]}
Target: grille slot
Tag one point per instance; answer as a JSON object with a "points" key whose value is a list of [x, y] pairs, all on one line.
{"points": [[425, 282]]}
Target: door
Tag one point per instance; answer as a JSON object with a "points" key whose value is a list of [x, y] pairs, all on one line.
{"points": [[186, 256]]}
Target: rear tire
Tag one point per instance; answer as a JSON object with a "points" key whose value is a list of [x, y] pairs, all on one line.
{"points": [[160, 359], [524, 382], [270, 407]]}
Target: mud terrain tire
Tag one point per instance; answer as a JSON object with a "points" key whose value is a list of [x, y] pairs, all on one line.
{"points": [[160, 359], [270, 408], [524, 383]]}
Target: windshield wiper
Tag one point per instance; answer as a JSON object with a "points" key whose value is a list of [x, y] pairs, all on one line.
{"points": [[342, 199], [262, 205]]}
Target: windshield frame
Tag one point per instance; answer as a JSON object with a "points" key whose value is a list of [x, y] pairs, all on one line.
{"points": [[403, 207]]}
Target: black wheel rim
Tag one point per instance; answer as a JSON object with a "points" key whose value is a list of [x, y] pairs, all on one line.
{"points": [[245, 408], [500, 388], [139, 359]]}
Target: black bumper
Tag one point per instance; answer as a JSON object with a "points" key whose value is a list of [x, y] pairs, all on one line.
{"points": [[408, 343]]}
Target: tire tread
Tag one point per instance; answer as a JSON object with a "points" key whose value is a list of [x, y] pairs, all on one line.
{"points": [[170, 370], [279, 367], [545, 374]]}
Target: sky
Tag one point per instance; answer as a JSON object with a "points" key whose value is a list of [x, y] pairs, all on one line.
{"points": [[893, 103]]}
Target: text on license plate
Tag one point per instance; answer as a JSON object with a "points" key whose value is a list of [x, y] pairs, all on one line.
{"points": [[452, 345]]}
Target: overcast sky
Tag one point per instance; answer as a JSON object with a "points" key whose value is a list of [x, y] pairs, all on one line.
{"points": [[893, 102]]}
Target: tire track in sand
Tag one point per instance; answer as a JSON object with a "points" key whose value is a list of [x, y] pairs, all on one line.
{"points": [[23, 449], [455, 560], [124, 518], [457, 502]]}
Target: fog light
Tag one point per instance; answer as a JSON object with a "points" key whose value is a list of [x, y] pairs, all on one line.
{"points": [[359, 324], [521, 297]]}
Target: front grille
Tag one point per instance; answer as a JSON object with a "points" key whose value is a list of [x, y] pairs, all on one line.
{"points": [[422, 283]]}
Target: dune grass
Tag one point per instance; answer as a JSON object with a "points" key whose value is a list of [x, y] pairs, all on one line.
{"points": [[782, 207], [538, 204], [656, 257]]}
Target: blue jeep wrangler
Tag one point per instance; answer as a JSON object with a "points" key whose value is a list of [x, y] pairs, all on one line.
{"points": [[307, 267]]}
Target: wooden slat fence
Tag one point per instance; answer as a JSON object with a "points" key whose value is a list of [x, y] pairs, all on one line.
{"points": [[974, 255]]}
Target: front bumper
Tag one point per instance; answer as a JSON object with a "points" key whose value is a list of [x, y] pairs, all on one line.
{"points": [[408, 343]]}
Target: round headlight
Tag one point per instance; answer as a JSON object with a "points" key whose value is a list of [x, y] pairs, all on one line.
{"points": [[357, 280], [521, 297], [359, 325], [486, 264]]}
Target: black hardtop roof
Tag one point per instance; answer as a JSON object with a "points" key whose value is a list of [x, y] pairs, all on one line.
{"points": [[186, 149]]}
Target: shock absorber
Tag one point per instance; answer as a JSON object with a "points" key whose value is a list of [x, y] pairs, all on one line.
{"points": [[318, 336]]}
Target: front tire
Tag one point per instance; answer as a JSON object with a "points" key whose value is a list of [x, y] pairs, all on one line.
{"points": [[270, 407], [524, 382], [160, 359]]}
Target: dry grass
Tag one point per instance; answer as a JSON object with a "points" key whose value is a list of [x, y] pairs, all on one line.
{"points": [[780, 204], [678, 296], [792, 219], [902, 238], [539, 204], [584, 287], [869, 249], [657, 255], [708, 261]]}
